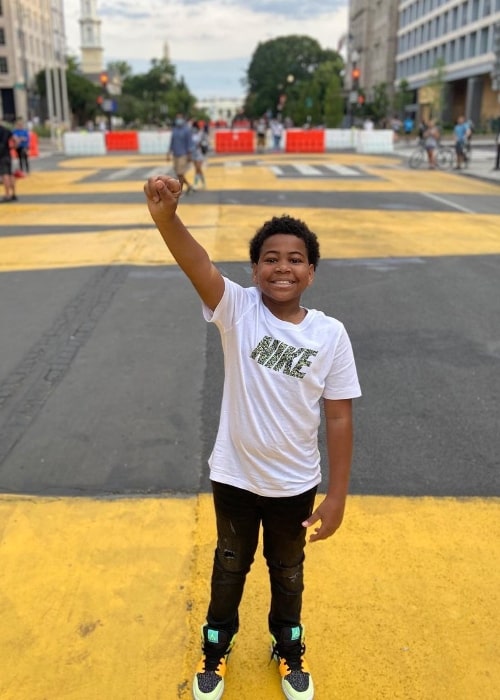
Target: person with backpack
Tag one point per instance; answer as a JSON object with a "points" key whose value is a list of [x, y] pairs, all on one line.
{"points": [[9, 183], [22, 146]]}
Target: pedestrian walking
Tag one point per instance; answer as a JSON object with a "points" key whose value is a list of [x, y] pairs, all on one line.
{"points": [[200, 149], [261, 129], [408, 125], [181, 150], [282, 361], [8, 179], [460, 132], [431, 140], [277, 133], [22, 145]]}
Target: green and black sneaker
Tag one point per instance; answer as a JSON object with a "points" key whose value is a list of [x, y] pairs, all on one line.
{"points": [[208, 683], [289, 651]]}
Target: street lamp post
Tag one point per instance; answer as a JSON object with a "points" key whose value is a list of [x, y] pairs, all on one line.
{"points": [[353, 79]]}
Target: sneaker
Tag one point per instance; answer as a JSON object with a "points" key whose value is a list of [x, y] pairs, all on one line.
{"points": [[208, 683], [289, 650]]}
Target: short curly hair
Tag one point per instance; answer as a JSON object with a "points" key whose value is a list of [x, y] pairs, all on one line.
{"points": [[287, 225]]}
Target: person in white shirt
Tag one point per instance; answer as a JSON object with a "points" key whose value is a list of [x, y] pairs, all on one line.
{"points": [[282, 361]]}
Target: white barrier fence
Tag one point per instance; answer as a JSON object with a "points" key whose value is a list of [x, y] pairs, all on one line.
{"points": [[82, 143], [375, 141], [154, 142]]}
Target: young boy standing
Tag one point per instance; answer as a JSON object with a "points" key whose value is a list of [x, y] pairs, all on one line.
{"points": [[281, 361]]}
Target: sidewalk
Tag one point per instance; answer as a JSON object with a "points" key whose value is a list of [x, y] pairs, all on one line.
{"points": [[482, 161]]}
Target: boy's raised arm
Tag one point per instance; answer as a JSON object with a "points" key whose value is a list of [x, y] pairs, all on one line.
{"points": [[162, 194]]}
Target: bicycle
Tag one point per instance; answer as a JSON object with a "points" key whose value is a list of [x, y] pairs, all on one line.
{"points": [[445, 157]]}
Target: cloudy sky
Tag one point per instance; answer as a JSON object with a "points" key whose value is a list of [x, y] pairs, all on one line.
{"points": [[210, 42]]}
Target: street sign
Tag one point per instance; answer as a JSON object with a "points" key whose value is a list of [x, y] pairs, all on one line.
{"points": [[108, 105]]}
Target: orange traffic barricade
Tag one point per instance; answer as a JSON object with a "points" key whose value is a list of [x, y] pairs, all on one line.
{"points": [[305, 141], [122, 141], [34, 149], [234, 141]]}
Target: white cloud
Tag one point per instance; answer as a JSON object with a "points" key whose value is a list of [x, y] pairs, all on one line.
{"points": [[222, 34]]}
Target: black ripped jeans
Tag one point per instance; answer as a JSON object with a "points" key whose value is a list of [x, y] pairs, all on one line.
{"points": [[239, 514]]}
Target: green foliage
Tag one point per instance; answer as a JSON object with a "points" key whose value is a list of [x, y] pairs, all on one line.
{"points": [[403, 97], [298, 68], [120, 68], [294, 68], [82, 93], [380, 106], [155, 96], [333, 103], [437, 85]]}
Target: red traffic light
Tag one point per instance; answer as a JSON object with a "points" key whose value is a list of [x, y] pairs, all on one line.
{"points": [[356, 73], [103, 79], [361, 99]]}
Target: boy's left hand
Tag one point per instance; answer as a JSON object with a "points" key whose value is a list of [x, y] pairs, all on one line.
{"points": [[331, 513]]}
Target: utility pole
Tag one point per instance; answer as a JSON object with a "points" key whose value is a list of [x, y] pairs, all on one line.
{"points": [[495, 84]]}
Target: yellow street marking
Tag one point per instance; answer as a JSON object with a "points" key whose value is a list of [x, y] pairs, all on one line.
{"points": [[225, 232], [102, 599]]}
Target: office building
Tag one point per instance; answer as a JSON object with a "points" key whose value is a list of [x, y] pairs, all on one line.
{"points": [[32, 39], [451, 47], [371, 44]]}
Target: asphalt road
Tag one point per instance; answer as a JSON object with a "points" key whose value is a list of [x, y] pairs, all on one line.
{"points": [[109, 377], [109, 391]]}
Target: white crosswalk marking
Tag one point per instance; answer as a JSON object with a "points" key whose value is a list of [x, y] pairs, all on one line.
{"points": [[307, 169], [342, 169], [158, 171], [122, 174], [276, 170]]}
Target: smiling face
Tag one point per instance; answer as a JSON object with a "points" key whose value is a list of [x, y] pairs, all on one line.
{"points": [[283, 271]]}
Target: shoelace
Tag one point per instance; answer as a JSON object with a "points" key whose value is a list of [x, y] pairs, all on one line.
{"points": [[293, 655], [213, 657]]}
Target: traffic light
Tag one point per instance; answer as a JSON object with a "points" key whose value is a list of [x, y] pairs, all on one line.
{"points": [[355, 75], [361, 99], [103, 79]]}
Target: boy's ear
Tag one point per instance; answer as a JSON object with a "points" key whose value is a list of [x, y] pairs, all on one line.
{"points": [[254, 272], [311, 274]]}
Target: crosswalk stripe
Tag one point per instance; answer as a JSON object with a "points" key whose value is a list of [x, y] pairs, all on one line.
{"points": [[120, 174], [306, 169], [341, 169], [158, 171], [277, 170]]}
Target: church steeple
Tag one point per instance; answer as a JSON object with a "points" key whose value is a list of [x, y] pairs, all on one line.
{"points": [[90, 35]]}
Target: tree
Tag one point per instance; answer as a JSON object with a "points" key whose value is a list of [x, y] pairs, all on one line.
{"points": [[334, 102], [282, 73], [82, 93], [120, 68], [403, 97], [436, 88], [380, 104], [157, 93]]}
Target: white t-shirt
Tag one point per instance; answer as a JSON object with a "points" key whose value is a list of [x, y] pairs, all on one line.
{"points": [[276, 372]]}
